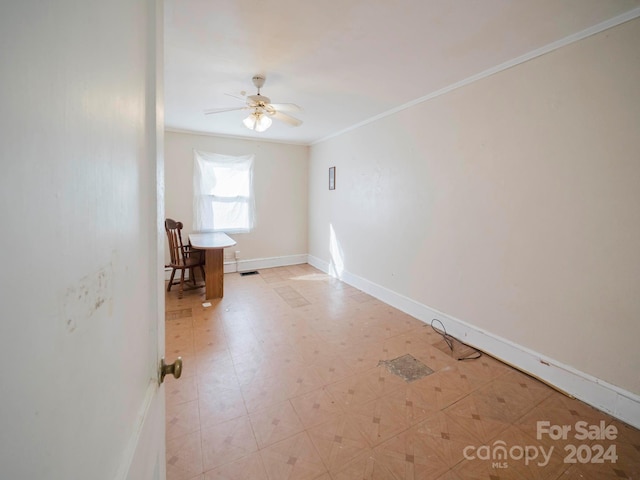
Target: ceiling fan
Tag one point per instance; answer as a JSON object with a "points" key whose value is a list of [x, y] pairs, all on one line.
{"points": [[262, 110]]}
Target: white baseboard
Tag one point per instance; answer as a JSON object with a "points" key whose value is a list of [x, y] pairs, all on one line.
{"points": [[231, 266], [167, 274], [602, 395], [258, 263]]}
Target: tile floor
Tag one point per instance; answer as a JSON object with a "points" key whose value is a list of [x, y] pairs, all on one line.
{"points": [[281, 381]]}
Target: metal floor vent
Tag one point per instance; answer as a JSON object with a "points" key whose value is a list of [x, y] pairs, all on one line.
{"points": [[407, 367], [250, 272]]}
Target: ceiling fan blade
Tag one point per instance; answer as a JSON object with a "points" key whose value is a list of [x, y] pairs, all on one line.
{"points": [[286, 107], [221, 110], [283, 117], [242, 99]]}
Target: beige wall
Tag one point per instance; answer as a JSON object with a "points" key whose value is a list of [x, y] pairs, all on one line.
{"points": [[512, 203], [280, 184]]}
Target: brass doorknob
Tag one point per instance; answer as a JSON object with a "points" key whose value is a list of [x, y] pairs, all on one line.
{"points": [[174, 369]]}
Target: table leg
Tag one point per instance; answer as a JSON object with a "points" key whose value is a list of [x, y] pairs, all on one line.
{"points": [[214, 268]]}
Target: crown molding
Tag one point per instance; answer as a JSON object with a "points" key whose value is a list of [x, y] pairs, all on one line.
{"points": [[600, 27]]}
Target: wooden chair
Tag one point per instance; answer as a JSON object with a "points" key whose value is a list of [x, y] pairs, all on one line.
{"points": [[183, 257]]}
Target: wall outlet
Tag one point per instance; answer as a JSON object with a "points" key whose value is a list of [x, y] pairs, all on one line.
{"points": [[237, 253]]}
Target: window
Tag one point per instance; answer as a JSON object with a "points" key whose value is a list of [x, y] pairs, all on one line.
{"points": [[222, 193]]}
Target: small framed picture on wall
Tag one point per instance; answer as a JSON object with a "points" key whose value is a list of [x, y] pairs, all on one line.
{"points": [[332, 178]]}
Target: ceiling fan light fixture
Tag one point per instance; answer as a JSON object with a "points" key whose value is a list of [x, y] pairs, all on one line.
{"points": [[257, 121], [262, 110]]}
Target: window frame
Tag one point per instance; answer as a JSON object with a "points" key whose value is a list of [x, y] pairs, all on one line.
{"points": [[205, 197]]}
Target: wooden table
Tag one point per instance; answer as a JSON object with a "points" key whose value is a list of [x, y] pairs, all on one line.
{"points": [[213, 244]]}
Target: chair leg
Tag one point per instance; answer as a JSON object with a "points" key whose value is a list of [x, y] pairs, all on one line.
{"points": [[173, 273], [192, 274], [181, 282], [204, 278]]}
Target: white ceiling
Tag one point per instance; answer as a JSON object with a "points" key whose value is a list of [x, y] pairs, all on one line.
{"points": [[345, 61]]}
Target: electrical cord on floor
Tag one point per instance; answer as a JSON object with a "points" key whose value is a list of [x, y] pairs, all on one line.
{"points": [[448, 339]]}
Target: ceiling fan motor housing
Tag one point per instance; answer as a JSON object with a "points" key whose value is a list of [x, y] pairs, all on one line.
{"points": [[259, 100]]}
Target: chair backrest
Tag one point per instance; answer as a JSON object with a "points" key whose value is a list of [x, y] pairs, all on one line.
{"points": [[174, 235]]}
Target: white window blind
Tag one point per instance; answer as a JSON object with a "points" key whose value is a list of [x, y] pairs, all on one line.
{"points": [[223, 193]]}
